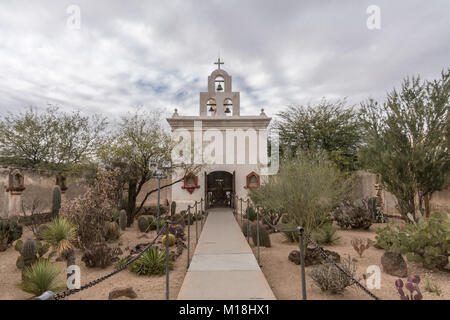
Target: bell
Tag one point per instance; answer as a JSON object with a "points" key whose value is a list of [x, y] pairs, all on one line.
{"points": [[219, 87], [227, 110], [211, 109]]}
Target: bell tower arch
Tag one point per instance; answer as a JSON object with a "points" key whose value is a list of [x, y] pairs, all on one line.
{"points": [[220, 90]]}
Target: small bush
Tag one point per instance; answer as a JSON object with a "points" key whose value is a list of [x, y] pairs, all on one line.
{"points": [[100, 256], [425, 241], [432, 287], [348, 215], [325, 234], [329, 278], [10, 231], [290, 236], [152, 262], [40, 277], [59, 234]]}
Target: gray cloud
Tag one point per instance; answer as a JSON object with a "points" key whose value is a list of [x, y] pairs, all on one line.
{"points": [[158, 54]]}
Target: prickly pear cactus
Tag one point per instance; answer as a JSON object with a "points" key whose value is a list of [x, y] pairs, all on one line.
{"points": [[29, 251], [123, 220]]}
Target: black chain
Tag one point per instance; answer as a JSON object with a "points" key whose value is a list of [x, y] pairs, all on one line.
{"points": [[325, 256], [68, 292]]}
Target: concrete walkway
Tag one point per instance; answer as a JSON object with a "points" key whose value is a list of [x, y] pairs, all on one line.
{"points": [[223, 266]]}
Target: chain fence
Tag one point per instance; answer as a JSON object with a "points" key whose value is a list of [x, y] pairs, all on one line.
{"points": [[164, 229], [302, 235]]}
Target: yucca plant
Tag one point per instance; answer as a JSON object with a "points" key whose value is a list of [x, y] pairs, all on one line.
{"points": [[325, 234], [152, 262], [59, 234], [40, 277]]}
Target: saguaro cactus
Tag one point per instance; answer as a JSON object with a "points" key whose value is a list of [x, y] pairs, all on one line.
{"points": [[56, 201]]}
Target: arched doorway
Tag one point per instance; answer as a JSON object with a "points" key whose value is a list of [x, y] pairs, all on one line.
{"points": [[220, 189]]}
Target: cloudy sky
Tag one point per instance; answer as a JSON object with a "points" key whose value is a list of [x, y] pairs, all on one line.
{"points": [[158, 54]]}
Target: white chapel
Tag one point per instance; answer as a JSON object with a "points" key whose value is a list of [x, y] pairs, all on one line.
{"points": [[230, 148]]}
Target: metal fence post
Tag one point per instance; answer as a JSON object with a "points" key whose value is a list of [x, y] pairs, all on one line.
{"points": [[248, 221], [196, 223], [241, 214], [257, 234], [189, 236], [302, 261], [201, 211], [167, 261]]}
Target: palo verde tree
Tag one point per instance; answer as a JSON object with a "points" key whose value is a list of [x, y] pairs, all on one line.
{"points": [[329, 126], [139, 141], [49, 139], [307, 187], [407, 141]]}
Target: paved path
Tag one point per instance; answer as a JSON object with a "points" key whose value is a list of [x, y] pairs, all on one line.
{"points": [[223, 266]]}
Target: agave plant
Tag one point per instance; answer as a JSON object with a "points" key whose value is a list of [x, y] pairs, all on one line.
{"points": [[412, 285], [152, 262], [59, 234], [40, 277]]}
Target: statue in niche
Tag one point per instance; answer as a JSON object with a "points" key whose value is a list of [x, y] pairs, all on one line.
{"points": [[16, 181]]}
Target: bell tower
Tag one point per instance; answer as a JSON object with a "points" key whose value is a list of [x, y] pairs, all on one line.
{"points": [[220, 100]]}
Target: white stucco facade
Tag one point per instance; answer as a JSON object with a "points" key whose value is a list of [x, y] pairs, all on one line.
{"points": [[220, 140]]}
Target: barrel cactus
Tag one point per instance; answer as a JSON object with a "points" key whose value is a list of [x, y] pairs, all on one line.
{"points": [[171, 240], [56, 201], [143, 224], [264, 239], [29, 251], [123, 220], [112, 232]]}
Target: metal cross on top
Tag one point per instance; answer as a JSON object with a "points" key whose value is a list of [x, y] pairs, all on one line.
{"points": [[219, 63]]}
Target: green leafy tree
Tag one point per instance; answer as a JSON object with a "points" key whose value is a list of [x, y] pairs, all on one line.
{"points": [[407, 141], [329, 126], [49, 139], [140, 140], [306, 189]]}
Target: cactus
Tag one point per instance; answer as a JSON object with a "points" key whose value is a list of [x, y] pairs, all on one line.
{"points": [[115, 215], [264, 239], [250, 214], [112, 232], [10, 231], [29, 251], [18, 246], [143, 224], [171, 240], [39, 231], [178, 219], [173, 208], [42, 248], [123, 220], [56, 201]]}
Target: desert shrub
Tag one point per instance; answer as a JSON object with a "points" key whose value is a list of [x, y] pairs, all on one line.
{"points": [[40, 277], [59, 234], [177, 231], [325, 234], [188, 217], [264, 238], [348, 215], [289, 236], [360, 246], [100, 256], [178, 219], [10, 231], [245, 227], [432, 287], [306, 189], [329, 278], [90, 212], [425, 241], [152, 262]]}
